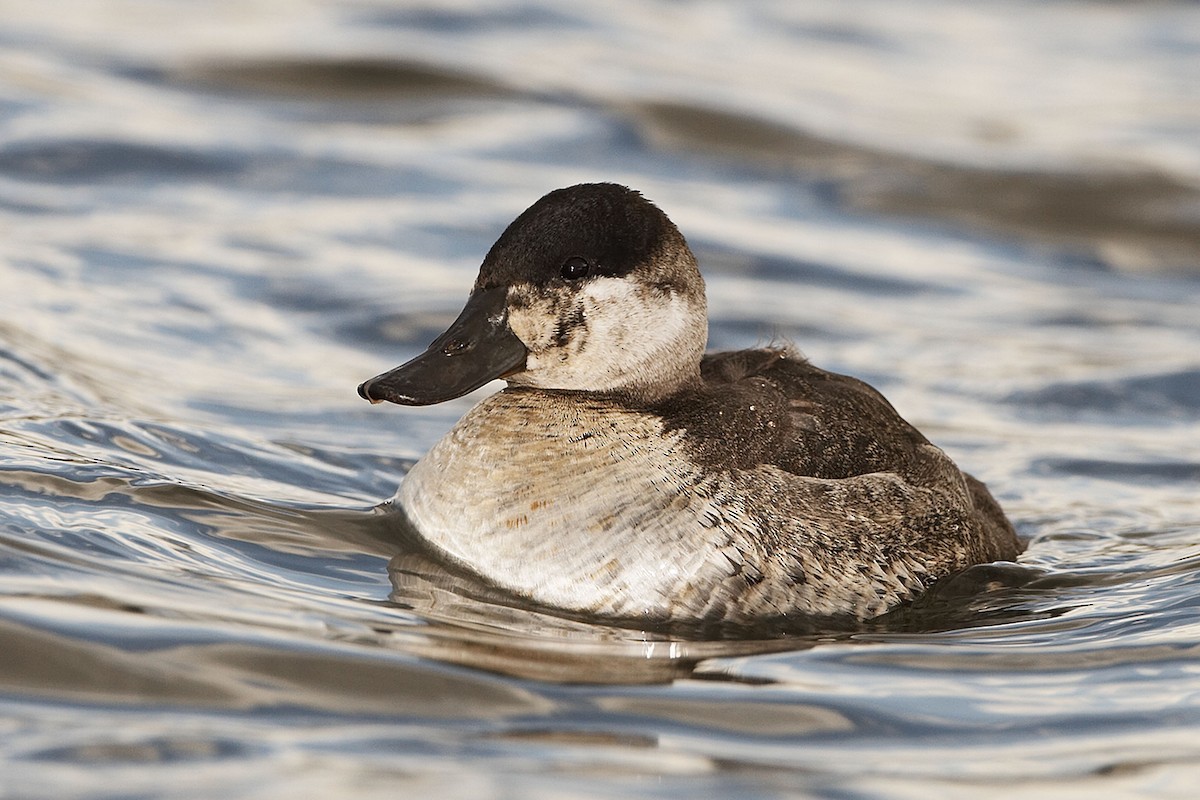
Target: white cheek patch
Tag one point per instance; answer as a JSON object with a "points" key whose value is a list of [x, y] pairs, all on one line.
{"points": [[632, 324], [623, 334]]}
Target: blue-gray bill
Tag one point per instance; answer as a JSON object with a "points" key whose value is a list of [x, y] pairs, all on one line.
{"points": [[479, 347]]}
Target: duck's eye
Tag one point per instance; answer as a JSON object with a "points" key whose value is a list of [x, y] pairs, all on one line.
{"points": [[575, 268]]}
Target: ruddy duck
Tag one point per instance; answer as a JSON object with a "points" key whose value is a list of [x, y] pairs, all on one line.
{"points": [[626, 474]]}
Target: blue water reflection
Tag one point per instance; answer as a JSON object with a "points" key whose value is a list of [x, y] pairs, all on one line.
{"points": [[215, 223]]}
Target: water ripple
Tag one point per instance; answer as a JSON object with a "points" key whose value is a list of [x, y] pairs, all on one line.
{"points": [[218, 221]]}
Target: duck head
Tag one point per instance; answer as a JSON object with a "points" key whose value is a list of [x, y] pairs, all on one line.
{"points": [[592, 288]]}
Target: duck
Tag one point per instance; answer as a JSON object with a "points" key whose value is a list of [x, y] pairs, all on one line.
{"points": [[625, 474]]}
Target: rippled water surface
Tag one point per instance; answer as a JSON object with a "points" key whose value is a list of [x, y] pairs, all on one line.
{"points": [[217, 218]]}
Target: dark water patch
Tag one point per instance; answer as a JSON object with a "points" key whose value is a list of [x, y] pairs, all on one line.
{"points": [[114, 162], [273, 249], [27, 208], [338, 178], [448, 242], [41, 661], [1171, 395], [843, 33], [232, 674], [521, 17], [382, 332], [333, 79], [121, 266], [1125, 668], [13, 109], [325, 177], [717, 260], [16, 369], [1153, 218], [980, 596], [763, 718], [292, 292], [1097, 319], [151, 750], [303, 295], [602, 142], [1151, 474], [85, 161], [709, 130], [1078, 260]]}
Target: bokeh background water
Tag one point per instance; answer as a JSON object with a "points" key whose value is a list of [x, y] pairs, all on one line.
{"points": [[216, 218]]}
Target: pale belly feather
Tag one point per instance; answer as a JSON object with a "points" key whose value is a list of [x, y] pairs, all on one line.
{"points": [[572, 504]]}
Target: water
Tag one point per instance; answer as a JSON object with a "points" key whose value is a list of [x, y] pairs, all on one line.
{"points": [[217, 218]]}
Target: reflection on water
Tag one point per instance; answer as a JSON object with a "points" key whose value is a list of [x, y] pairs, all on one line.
{"points": [[1129, 218], [214, 225]]}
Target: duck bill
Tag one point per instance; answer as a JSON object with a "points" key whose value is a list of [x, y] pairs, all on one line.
{"points": [[477, 348]]}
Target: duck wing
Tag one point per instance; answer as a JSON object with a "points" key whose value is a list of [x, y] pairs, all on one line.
{"points": [[849, 462]]}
